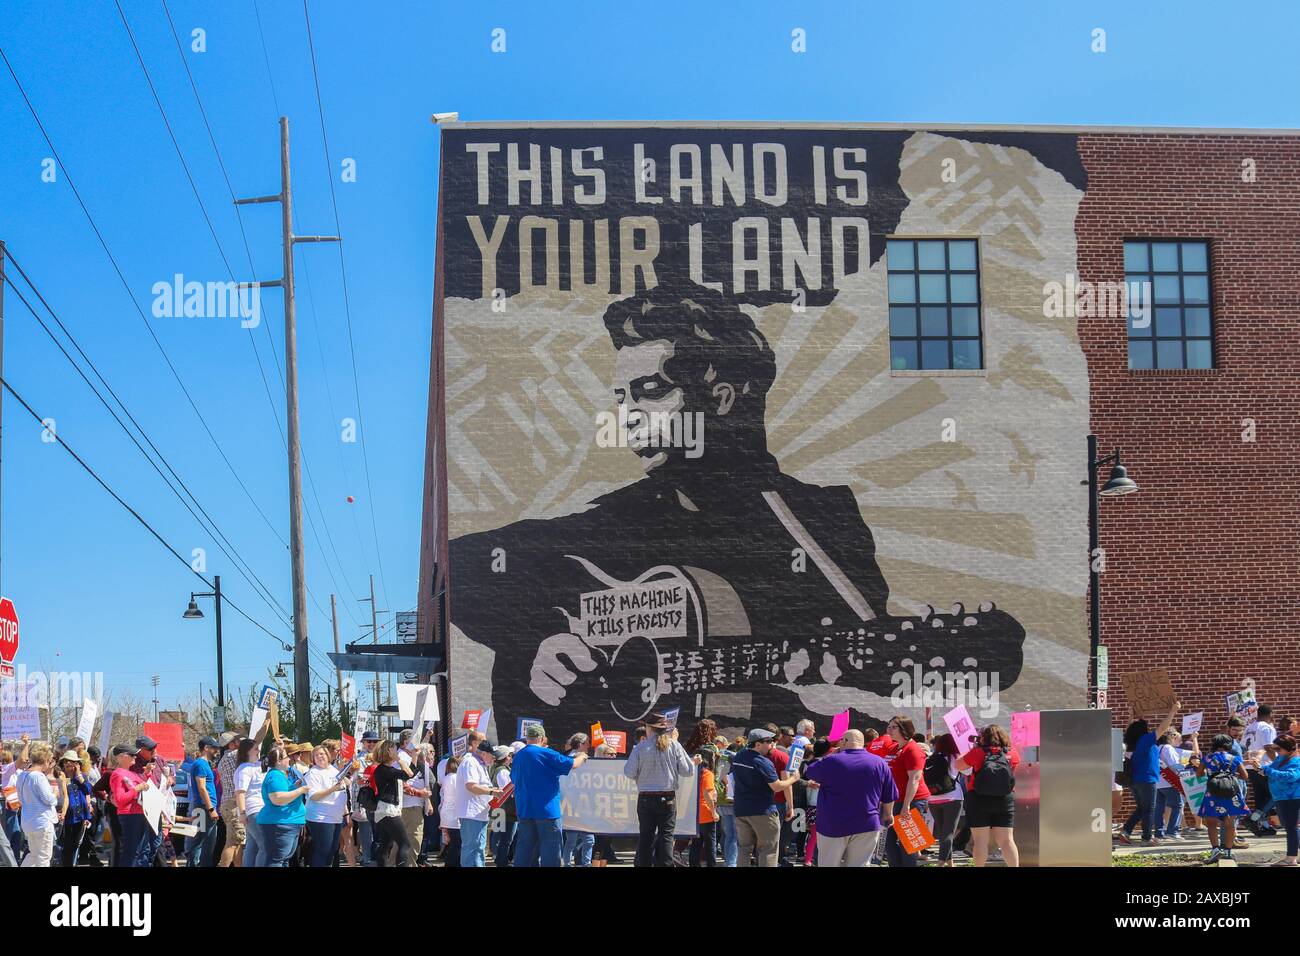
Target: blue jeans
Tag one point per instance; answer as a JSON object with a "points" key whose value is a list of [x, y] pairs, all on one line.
{"points": [[366, 837], [730, 846], [324, 843], [579, 843], [1144, 794], [254, 851], [198, 848], [1288, 812], [473, 842], [132, 824], [502, 842], [1169, 803], [431, 842], [14, 830], [279, 840], [538, 843]]}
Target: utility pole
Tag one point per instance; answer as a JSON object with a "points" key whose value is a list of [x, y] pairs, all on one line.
{"points": [[155, 680], [334, 620], [301, 669], [374, 634]]}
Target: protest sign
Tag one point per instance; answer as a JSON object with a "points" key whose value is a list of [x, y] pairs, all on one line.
{"points": [[796, 759], [459, 745], [19, 711], [484, 722], [597, 798], [839, 724], [597, 735], [170, 739], [418, 703], [11, 797], [1194, 788], [616, 740], [347, 747], [261, 709], [274, 716], [470, 720], [671, 715], [1192, 723], [1242, 704], [86, 725], [912, 832], [522, 725], [502, 797], [105, 732], [961, 727], [151, 800], [1148, 692], [1024, 729]]}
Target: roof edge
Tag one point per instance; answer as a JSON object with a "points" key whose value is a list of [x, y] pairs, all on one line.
{"points": [[916, 127]]}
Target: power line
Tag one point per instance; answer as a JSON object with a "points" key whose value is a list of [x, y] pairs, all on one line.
{"points": [[242, 566], [135, 514], [347, 306], [126, 285], [198, 99]]}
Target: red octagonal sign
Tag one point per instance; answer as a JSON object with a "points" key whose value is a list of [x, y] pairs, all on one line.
{"points": [[8, 632]]}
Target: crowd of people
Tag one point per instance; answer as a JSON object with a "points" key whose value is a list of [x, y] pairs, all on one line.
{"points": [[776, 796], [1250, 775]]}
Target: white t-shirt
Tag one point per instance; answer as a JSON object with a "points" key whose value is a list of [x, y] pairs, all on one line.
{"points": [[420, 781], [1258, 734], [472, 806], [1169, 757], [248, 778], [447, 815], [328, 809]]}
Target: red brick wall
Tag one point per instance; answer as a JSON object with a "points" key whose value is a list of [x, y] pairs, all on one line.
{"points": [[1203, 563]]}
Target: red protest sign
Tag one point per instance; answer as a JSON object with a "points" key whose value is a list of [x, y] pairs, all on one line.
{"points": [[912, 832], [597, 735], [8, 634], [503, 796], [616, 740], [170, 739], [470, 721], [347, 747]]}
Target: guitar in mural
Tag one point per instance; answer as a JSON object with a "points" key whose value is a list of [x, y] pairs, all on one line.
{"points": [[676, 632]]}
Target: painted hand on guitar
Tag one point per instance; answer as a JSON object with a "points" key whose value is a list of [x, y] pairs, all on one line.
{"points": [[551, 675]]}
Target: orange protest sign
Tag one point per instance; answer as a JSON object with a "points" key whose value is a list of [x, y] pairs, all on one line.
{"points": [[597, 735], [912, 832]]}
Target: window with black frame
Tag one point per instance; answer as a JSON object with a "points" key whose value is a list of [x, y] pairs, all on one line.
{"points": [[934, 304], [1169, 321]]}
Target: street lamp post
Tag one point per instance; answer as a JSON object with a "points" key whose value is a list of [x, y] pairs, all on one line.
{"points": [[192, 613], [1118, 484]]}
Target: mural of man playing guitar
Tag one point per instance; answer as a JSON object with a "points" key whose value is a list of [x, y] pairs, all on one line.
{"points": [[716, 583]]}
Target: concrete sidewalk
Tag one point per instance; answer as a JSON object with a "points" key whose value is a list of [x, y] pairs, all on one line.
{"points": [[1260, 851]]}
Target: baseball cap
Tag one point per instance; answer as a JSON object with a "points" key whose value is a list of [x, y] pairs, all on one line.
{"points": [[370, 737], [486, 747], [120, 749], [145, 743], [501, 751], [758, 733], [517, 746], [209, 742], [226, 739], [534, 731], [70, 755]]}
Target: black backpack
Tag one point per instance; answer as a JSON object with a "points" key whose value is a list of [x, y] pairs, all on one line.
{"points": [[995, 778], [936, 774], [1222, 782]]}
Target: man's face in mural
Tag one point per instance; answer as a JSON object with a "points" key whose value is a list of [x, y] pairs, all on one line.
{"points": [[663, 419]]}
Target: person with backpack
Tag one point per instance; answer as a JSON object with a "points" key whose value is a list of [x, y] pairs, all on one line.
{"points": [[941, 776], [990, 797], [1224, 800], [503, 840], [1140, 741], [725, 788]]}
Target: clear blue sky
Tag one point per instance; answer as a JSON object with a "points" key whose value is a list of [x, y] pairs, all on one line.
{"points": [[91, 585]]}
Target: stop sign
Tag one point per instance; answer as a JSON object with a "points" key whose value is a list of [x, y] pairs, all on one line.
{"points": [[8, 631]]}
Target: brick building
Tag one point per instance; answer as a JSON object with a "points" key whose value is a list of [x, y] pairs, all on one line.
{"points": [[896, 375]]}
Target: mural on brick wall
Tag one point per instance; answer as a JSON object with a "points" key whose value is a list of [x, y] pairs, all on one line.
{"points": [[686, 470]]}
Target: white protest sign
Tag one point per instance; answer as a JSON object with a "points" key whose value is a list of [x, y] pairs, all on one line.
{"points": [[105, 733], [1192, 723], [151, 802], [86, 725], [484, 721], [417, 702], [598, 798], [19, 711], [261, 709], [961, 727]]}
